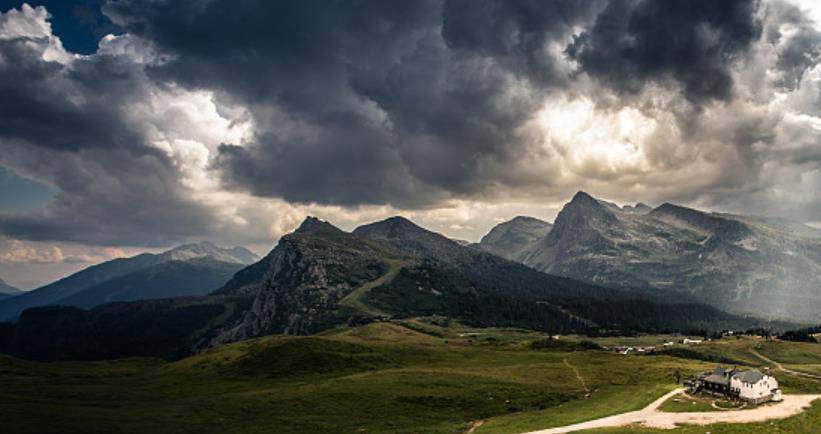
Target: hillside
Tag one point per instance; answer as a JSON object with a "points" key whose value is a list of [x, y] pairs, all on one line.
{"points": [[381, 378], [168, 329], [749, 265], [104, 273]]}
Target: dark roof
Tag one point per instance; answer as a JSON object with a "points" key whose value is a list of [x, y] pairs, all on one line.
{"points": [[717, 379], [751, 377]]}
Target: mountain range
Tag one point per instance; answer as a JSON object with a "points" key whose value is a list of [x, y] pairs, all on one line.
{"points": [[743, 264], [187, 270], [320, 277]]}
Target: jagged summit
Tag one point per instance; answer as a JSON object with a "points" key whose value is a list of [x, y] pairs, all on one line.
{"points": [[313, 224], [642, 206], [639, 208], [583, 197], [583, 207]]}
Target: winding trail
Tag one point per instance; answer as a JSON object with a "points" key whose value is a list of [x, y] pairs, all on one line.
{"points": [[578, 375], [651, 417], [781, 367], [356, 298]]}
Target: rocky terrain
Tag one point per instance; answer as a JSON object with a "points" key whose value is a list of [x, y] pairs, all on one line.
{"points": [[765, 267], [512, 238], [320, 276]]}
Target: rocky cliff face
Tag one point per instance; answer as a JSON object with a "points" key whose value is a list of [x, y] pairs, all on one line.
{"points": [[745, 264], [298, 286], [511, 238]]}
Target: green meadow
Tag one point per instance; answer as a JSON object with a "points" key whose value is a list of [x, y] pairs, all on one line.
{"points": [[400, 377]]}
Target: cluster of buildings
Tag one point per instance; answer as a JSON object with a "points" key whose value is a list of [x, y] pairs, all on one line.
{"points": [[624, 349], [751, 386]]}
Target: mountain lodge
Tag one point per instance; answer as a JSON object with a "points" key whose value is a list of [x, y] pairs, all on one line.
{"points": [[751, 386]]}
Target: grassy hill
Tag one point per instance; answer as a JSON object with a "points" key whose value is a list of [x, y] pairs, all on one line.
{"points": [[403, 377]]}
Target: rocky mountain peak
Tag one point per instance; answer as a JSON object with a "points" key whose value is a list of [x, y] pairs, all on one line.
{"points": [[392, 228], [313, 224], [639, 208], [642, 207], [583, 207], [409, 237]]}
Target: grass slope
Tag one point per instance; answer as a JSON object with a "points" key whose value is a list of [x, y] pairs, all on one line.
{"points": [[379, 378]]}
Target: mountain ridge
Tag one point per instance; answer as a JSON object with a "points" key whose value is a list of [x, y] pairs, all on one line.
{"points": [[91, 276], [746, 264]]}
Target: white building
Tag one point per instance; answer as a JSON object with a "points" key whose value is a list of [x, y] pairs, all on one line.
{"points": [[688, 341], [751, 386], [754, 386]]}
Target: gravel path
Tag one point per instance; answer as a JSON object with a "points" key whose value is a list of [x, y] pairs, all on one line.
{"points": [[651, 417], [781, 367]]}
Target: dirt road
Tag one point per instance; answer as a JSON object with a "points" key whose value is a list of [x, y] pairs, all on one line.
{"points": [[781, 367], [651, 417]]}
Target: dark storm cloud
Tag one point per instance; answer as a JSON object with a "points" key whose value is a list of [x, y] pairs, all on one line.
{"points": [[693, 42], [800, 49], [38, 105], [364, 101], [408, 103], [67, 125], [515, 33]]}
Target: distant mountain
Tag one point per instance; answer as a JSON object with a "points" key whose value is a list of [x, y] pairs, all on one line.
{"points": [[319, 277], [115, 279], [7, 290], [750, 265], [512, 238], [178, 278]]}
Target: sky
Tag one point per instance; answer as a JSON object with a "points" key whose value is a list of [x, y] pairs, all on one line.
{"points": [[130, 126]]}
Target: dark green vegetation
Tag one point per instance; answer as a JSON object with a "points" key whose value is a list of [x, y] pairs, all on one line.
{"points": [[192, 269], [168, 329], [379, 378], [742, 264], [808, 334]]}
